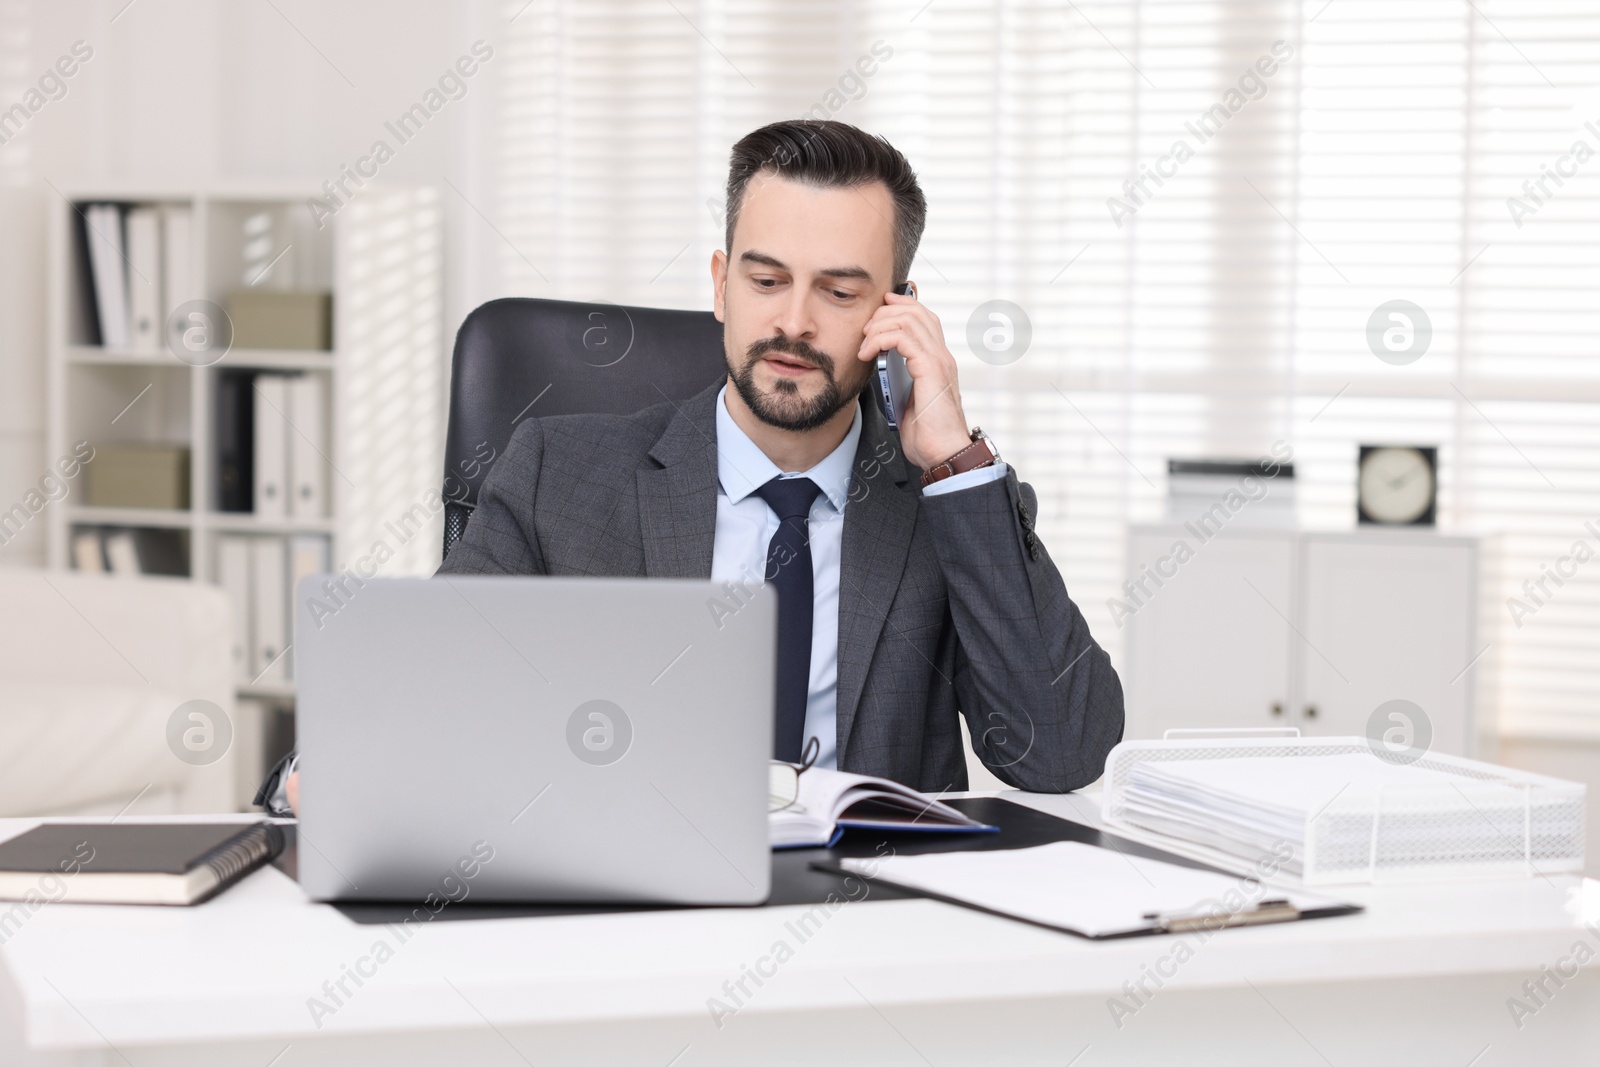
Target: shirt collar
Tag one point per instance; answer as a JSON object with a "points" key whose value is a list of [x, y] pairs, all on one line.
{"points": [[743, 468]]}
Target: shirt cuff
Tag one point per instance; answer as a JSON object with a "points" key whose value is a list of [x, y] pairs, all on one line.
{"points": [[967, 479]]}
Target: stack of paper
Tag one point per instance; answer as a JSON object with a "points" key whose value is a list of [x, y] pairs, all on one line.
{"points": [[1256, 808]]}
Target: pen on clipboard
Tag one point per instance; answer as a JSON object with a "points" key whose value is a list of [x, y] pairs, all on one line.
{"points": [[1267, 911]]}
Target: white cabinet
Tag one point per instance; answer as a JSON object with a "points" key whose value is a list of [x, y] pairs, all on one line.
{"points": [[1386, 618], [1206, 647], [1280, 627]]}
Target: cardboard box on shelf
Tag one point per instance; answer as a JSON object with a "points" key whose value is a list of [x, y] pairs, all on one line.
{"points": [[275, 318], [139, 476]]}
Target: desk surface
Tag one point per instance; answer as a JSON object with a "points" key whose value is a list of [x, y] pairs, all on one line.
{"points": [[249, 962]]}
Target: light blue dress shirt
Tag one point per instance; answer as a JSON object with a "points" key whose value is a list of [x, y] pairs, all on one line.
{"points": [[745, 525]]}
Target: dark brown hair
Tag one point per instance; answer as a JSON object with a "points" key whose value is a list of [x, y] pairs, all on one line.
{"points": [[831, 154]]}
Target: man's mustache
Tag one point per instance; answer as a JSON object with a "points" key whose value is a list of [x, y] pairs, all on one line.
{"points": [[798, 351]]}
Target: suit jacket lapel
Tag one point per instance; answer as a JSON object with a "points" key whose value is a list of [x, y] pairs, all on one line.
{"points": [[878, 522], [678, 501]]}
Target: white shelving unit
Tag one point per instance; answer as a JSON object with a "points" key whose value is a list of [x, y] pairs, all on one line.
{"points": [[385, 376]]}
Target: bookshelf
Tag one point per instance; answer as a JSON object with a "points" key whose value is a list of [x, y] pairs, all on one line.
{"points": [[383, 376]]}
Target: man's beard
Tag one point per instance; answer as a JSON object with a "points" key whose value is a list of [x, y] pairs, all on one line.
{"points": [[784, 407]]}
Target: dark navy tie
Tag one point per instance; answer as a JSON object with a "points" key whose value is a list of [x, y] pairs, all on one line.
{"points": [[789, 570]]}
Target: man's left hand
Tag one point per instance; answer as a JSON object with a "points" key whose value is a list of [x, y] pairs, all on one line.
{"points": [[933, 427]]}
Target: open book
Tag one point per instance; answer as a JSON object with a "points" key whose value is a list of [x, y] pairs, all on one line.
{"points": [[831, 802]]}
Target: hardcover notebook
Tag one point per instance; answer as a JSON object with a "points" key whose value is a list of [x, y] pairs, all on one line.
{"points": [[831, 802], [133, 863]]}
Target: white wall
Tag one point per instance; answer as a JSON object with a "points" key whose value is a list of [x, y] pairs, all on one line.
{"points": [[22, 459]]}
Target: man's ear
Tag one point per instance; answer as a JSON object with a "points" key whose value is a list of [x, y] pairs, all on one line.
{"points": [[719, 284]]}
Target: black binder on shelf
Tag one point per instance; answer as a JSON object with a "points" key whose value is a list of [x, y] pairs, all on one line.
{"points": [[236, 436]]}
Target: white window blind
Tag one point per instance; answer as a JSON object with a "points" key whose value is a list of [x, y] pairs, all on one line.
{"points": [[1213, 308]]}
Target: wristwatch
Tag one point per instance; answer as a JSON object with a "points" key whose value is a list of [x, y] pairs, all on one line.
{"points": [[980, 453]]}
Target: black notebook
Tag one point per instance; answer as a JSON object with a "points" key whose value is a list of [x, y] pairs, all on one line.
{"points": [[134, 863]]}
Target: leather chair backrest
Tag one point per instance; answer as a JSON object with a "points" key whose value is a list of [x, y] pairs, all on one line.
{"points": [[520, 358]]}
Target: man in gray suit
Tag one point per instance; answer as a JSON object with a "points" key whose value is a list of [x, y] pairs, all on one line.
{"points": [[911, 584]]}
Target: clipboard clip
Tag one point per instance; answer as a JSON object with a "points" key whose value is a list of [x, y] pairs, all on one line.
{"points": [[1182, 922]]}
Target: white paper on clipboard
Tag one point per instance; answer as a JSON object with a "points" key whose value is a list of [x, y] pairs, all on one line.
{"points": [[1096, 892]]}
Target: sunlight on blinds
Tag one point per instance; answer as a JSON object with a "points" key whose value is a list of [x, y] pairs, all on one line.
{"points": [[392, 385]]}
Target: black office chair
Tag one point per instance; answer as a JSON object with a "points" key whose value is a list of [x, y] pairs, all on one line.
{"points": [[518, 358]]}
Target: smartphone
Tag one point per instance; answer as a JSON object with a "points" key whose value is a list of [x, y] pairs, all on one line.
{"points": [[894, 381]]}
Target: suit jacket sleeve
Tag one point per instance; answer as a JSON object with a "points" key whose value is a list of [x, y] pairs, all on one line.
{"points": [[500, 536], [1041, 699]]}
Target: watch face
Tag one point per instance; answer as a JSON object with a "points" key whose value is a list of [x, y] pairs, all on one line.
{"points": [[1396, 486]]}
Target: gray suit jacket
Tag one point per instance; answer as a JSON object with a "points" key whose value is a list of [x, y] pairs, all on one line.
{"points": [[948, 604]]}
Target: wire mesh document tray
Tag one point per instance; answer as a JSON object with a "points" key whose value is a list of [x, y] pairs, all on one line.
{"points": [[1434, 817]]}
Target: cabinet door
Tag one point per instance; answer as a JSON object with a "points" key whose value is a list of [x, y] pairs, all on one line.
{"points": [[1387, 617], [1210, 646]]}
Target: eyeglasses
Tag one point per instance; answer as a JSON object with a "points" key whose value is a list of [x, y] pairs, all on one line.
{"points": [[783, 789]]}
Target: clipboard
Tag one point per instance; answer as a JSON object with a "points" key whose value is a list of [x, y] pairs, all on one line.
{"points": [[1091, 892]]}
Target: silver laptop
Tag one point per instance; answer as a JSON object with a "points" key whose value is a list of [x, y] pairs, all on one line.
{"points": [[533, 739]]}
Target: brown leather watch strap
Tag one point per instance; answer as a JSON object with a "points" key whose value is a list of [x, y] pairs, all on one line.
{"points": [[980, 453]]}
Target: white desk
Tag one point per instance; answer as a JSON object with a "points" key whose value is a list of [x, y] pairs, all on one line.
{"points": [[1423, 977]]}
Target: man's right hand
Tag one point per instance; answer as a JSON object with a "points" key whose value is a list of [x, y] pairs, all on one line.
{"points": [[291, 790]]}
